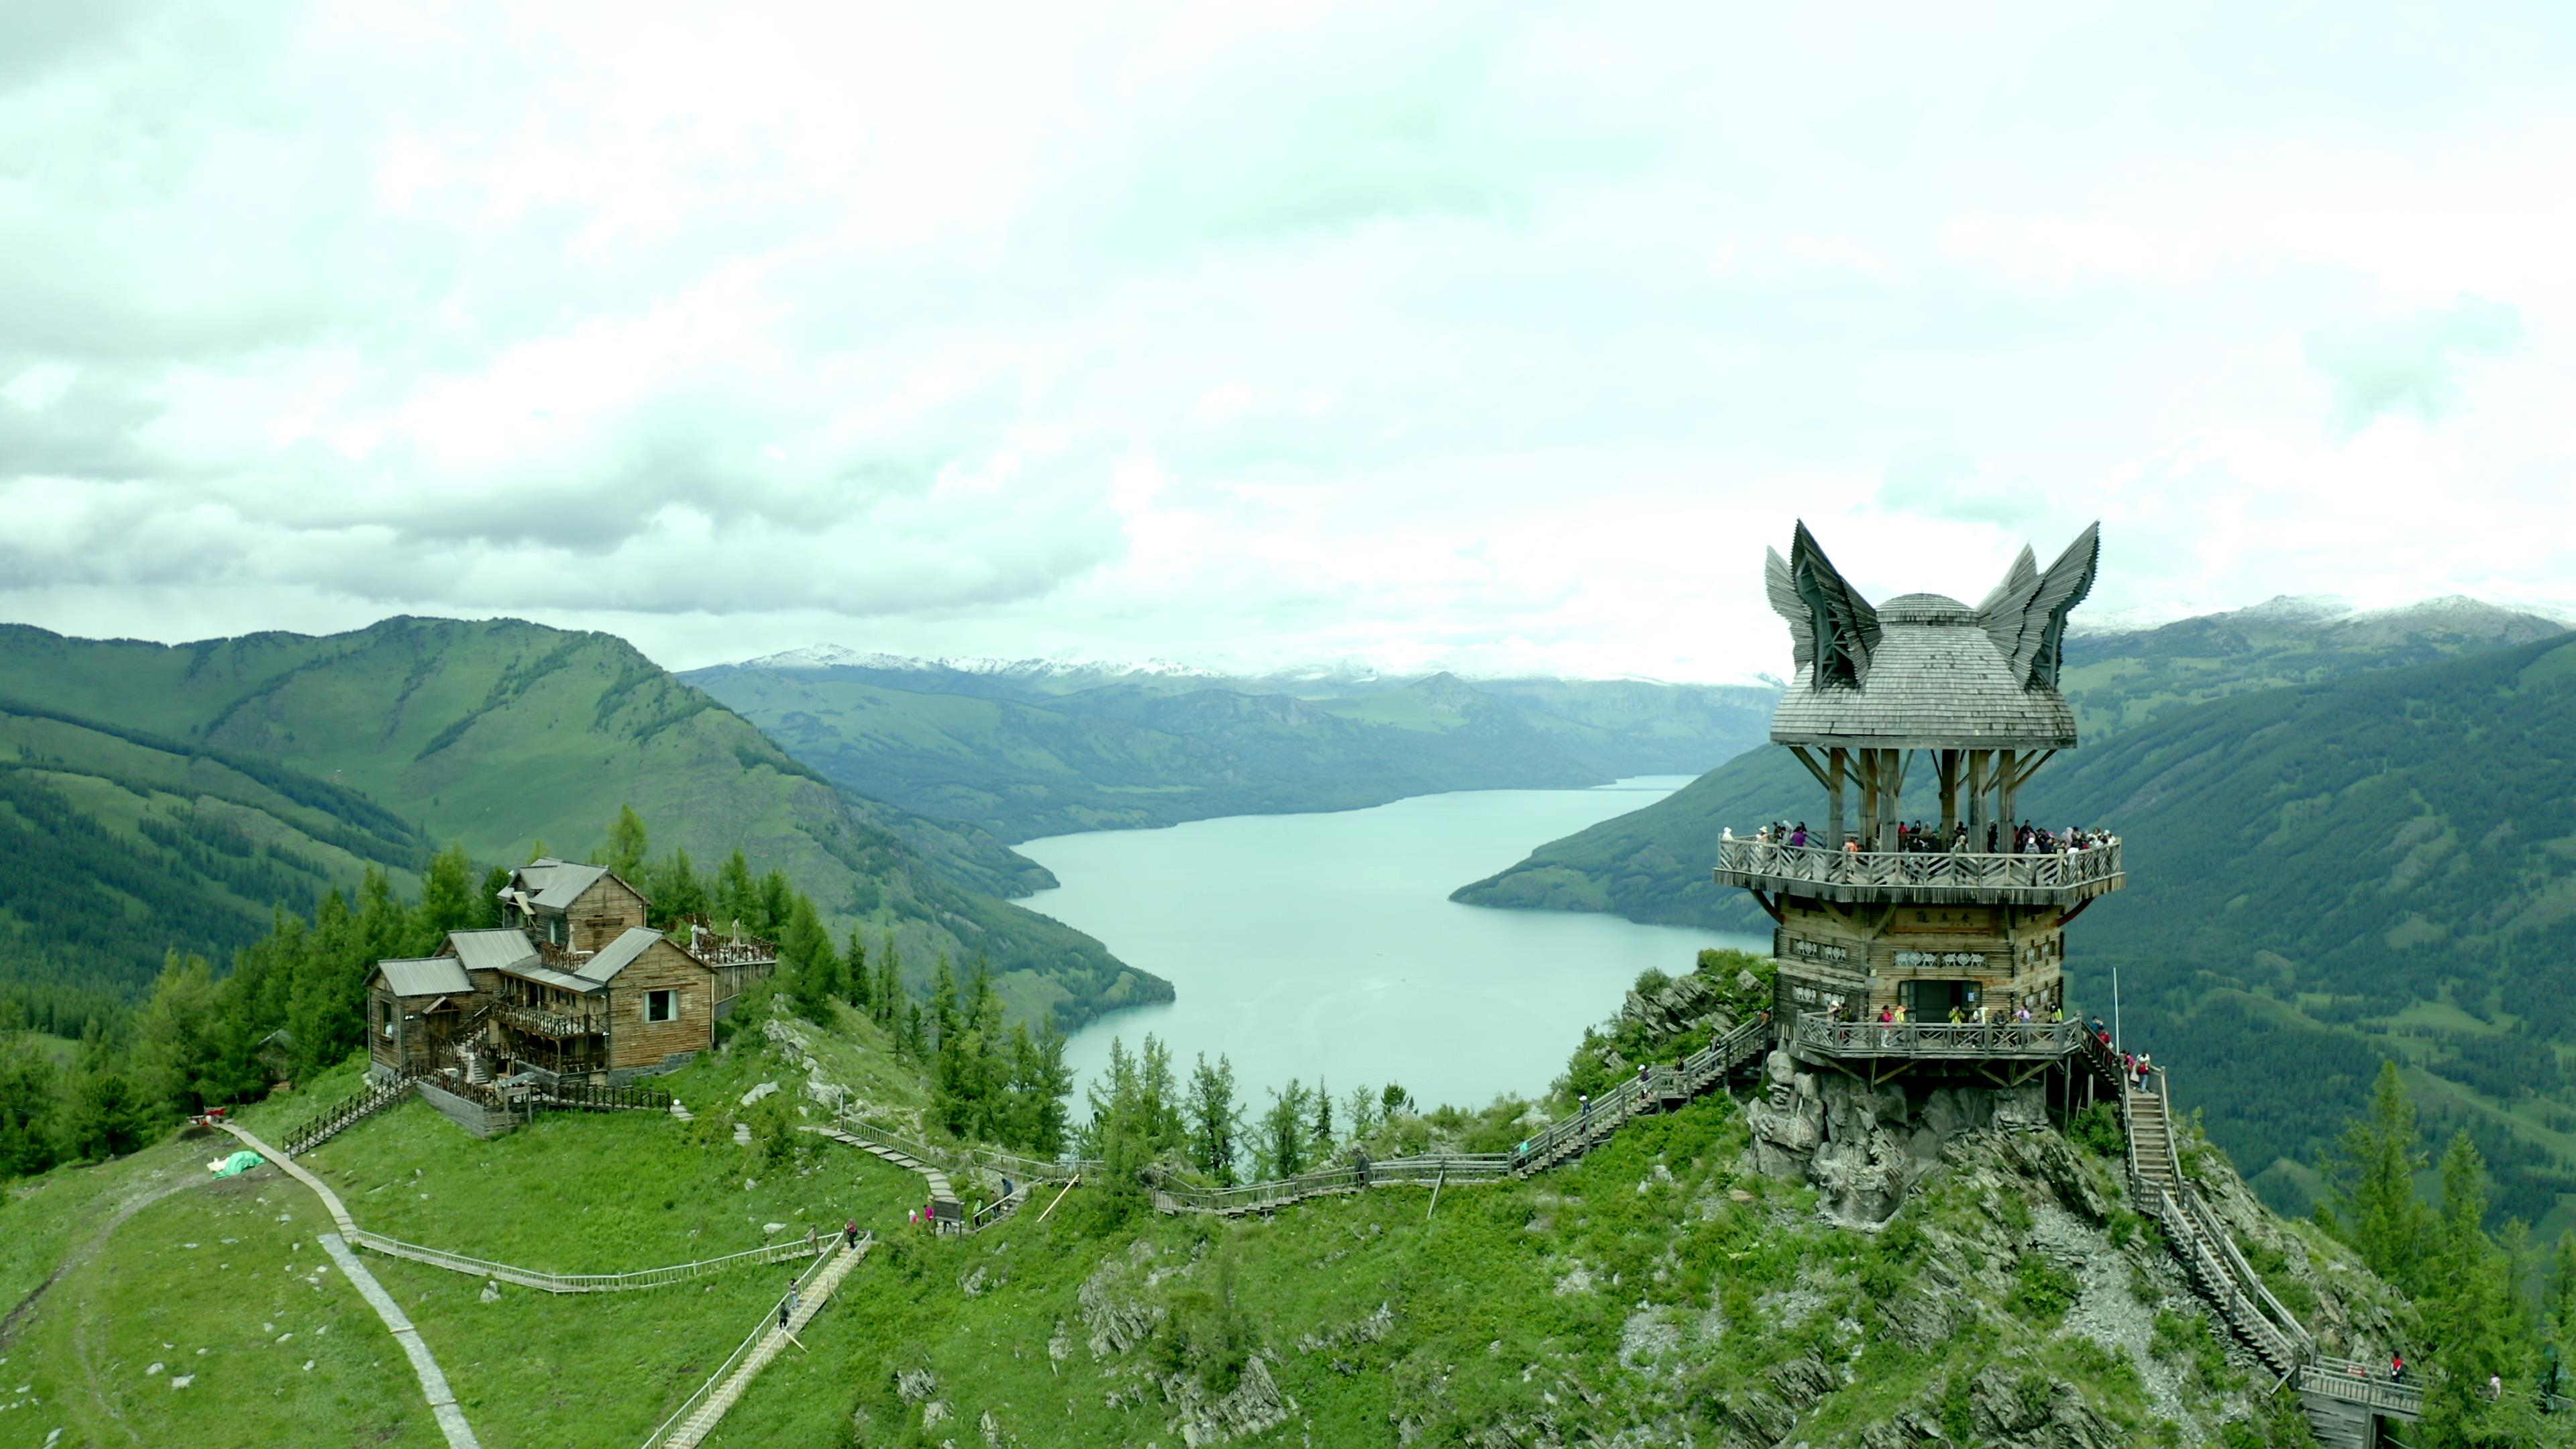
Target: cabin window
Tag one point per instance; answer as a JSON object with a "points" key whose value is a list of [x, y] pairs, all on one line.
{"points": [[661, 1005]]}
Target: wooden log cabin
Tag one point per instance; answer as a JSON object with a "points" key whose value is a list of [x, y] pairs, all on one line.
{"points": [[575, 984], [1961, 928]]}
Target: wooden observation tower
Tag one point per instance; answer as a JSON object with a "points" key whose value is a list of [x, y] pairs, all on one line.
{"points": [[1959, 925]]}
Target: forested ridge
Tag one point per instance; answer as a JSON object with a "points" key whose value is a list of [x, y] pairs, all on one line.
{"points": [[495, 735]]}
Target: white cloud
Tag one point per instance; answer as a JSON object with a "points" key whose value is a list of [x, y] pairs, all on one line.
{"points": [[1416, 331]]}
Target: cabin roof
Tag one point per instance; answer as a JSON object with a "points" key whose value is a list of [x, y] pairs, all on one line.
{"points": [[617, 955], [430, 976], [505, 949], [551, 885]]}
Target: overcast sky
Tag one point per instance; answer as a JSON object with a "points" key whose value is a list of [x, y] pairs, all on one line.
{"points": [[1479, 332]]}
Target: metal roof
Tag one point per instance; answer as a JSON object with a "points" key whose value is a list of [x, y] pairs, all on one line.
{"points": [[430, 976], [619, 954], [552, 885], [1924, 671], [499, 950]]}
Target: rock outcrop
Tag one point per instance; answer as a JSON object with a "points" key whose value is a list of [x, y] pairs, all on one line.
{"points": [[1863, 1147]]}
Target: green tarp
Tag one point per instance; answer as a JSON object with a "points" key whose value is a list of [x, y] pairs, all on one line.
{"points": [[239, 1162]]}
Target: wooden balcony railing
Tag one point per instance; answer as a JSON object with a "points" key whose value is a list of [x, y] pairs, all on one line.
{"points": [[1925, 875], [545, 1022], [2022, 1040]]}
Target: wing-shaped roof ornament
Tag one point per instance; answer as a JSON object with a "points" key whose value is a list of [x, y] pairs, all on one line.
{"points": [[2026, 614], [1831, 626]]}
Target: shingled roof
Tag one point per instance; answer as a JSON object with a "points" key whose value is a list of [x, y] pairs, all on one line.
{"points": [[503, 949], [433, 976], [1923, 671]]}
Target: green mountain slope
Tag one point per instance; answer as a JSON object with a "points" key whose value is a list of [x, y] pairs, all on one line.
{"points": [[503, 733], [1032, 758], [117, 847]]}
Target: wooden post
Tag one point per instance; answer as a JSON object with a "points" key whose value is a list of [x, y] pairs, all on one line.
{"points": [[1868, 762], [1834, 798], [1891, 796], [1947, 762], [2004, 792], [1978, 812]]}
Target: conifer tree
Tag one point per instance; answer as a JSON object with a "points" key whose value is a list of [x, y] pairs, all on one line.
{"points": [[889, 993], [447, 898], [776, 904], [943, 999], [737, 895], [806, 958], [2371, 1201], [1216, 1119], [673, 884], [178, 1062], [854, 972], [627, 845], [1283, 1139], [1323, 1120]]}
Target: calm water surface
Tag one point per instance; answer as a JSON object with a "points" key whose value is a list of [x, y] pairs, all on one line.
{"points": [[1326, 946]]}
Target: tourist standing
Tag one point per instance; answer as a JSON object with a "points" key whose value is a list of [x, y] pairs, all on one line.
{"points": [[787, 1305]]}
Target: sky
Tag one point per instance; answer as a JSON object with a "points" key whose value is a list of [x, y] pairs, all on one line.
{"points": [[1490, 334]]}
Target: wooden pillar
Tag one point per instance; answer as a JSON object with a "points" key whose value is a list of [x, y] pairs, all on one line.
{"points": [[1978, 811], [1834, 799], [1948, 763], [2004, 765], [1868, 762], [1891, 796]]}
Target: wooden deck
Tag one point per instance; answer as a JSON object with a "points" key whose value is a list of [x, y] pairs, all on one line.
{"points": [[1920, 877]]}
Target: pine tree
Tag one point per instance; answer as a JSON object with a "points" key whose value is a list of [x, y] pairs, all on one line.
{"points": [[177, 1060], [737, 895], [1040, 1082], [1215, 1119], [675, 888], [446, 899], [1323, 1120], [890, 993], [1363, 1109], [808, 962], [31, 1091], [943, 1000], [1158, 1097], [1283, 1140], [2371, 1201], [854, 973], [777, 903], [627, 845]]}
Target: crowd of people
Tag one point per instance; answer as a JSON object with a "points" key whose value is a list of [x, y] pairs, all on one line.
{"points": [[1924, 837]]}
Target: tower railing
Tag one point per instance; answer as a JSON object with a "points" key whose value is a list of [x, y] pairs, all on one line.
{"points": [[2038, 1039], [1749, 862]]}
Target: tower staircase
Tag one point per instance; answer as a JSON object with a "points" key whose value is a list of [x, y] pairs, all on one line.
{"points": [[2342, 1398], [707, 1407]]}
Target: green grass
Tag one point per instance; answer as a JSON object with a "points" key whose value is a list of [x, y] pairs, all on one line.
{"points": [[219, 1312]]}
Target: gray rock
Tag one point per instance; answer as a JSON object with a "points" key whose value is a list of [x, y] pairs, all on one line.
{"points": [[758, 1092], [915, 1385]]}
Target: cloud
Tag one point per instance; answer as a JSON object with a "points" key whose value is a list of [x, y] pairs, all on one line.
{"points": [[2409, 363], [1252, 330]]}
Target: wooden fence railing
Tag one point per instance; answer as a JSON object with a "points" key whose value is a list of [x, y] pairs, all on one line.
{"points": [[340, 1116], [2034, 1039], [967, 1159], [1930, 870], [1555, 1143], [546, 1282]]}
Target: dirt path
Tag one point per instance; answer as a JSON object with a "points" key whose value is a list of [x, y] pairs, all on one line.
{"points": [[161, 1182]]}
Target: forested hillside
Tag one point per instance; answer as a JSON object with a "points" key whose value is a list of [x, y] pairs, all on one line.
{"points": [[2319, 876], [503, 734], [1028, 754], [118, 848]]}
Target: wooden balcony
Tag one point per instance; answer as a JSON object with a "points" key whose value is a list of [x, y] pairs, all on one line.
{"points": [[559, 1024], [1970, 1041], [1920, 877]]}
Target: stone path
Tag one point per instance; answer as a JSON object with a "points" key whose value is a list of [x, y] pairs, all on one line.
{"points": [[940, 1188], [433, 1383], [811, 1297]]}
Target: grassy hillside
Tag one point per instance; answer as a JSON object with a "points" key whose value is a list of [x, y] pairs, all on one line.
{"points": [[501, 734], [2320, 875], [117, 847], [1034, 757], [1656, 1292]]}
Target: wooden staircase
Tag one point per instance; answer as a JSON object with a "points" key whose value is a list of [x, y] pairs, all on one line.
{"points": [[699, 1418], [343, 1115], [2342, 1400]]}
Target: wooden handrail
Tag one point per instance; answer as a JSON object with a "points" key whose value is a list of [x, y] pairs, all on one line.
{"points": [[1978, 871]]}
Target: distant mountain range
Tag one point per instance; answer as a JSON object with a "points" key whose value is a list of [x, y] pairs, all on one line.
{"points": [[1027, 748], [328, 753], [2348, 836]]}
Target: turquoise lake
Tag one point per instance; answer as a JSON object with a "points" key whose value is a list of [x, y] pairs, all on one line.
{"points": [[1325, 946]]}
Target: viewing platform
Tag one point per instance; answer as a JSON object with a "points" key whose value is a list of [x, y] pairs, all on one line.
{"points": [[2031, 1041], [1920, 877]]}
